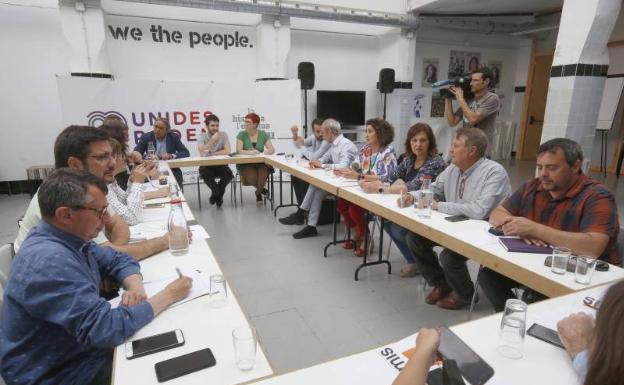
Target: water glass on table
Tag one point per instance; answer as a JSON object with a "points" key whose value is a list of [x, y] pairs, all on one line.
{"points": [[245, 343], [218, 291], [329, 169], [423, 202], [560, 257], [585, 267], [512, 330]]}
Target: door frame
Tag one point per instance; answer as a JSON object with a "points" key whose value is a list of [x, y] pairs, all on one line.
{"points": [[527, 99]]}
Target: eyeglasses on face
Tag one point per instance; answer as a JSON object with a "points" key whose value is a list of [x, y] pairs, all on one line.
{"points": [[99, 212], [104, 157]]}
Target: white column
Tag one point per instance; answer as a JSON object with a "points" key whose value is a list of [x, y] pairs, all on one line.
{"points": [[273, 45], [84, 30], [579, 71]]}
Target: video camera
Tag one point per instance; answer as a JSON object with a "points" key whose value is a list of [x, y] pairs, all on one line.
{"points": [[457, 81]]}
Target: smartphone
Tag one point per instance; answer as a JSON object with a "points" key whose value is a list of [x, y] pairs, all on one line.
{"points": [[545, 334], [457, 218], [280, 153], [153, 344], [186, 364], [496, 231], [471, 366]]}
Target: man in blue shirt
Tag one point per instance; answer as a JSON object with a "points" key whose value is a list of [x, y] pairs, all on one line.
{"points": [[55, 326]]}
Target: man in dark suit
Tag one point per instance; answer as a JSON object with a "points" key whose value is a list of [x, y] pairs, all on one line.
{"points": [[166, 144]]}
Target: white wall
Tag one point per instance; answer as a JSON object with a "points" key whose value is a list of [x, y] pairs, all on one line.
{"points": [[33, 53], [146, 59], [341, 62]]}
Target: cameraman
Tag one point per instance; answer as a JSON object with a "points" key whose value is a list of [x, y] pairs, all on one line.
{"points": [[483, 108]]}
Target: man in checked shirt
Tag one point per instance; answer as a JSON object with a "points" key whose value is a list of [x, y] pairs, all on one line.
{"points": [[561, 207]]}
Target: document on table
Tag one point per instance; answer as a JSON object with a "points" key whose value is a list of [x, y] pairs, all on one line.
{"points": [[149, 230], [156, 201], [201, 286]]}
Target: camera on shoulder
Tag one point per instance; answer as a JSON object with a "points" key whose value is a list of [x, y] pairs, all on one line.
{"points": [[458, 81]]}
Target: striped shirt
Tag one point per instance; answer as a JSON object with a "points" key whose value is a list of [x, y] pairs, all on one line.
{"points": [[587, 206]]}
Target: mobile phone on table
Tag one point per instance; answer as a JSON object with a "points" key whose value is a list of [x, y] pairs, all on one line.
{"points": [[472, 367], [545, 334], [456, 218], [496, 231], [153, 344], [186, 364]]}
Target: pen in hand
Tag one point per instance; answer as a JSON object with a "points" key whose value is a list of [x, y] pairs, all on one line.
{"points": [[179, 272]]}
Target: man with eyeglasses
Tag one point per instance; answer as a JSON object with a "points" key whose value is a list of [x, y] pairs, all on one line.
{"points": [[56, 328], [471, 186], [88, 148]]}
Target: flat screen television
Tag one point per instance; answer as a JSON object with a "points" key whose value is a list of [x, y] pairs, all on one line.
{"points": [[347, 107]]}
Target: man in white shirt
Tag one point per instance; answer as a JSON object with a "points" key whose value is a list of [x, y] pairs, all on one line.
{"points": [[314, 147], [341, 154]]}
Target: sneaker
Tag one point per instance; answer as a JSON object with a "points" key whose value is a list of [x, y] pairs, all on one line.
{"points": [[438, 293], [212, 200], [308, 231], [409, 270], [219, 202], [296, 218]]}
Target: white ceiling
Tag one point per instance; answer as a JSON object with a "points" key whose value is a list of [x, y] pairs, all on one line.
{"points": [[484, 6]]}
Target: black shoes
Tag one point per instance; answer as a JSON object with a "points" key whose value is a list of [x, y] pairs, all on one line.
{"points": [[306, 232], [212, 200], [219, 202], [296, 218], [258, 198]]}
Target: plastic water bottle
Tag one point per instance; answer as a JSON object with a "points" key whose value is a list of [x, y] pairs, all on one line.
{"points": [[424, 199], [178, 231], [151, 150]]}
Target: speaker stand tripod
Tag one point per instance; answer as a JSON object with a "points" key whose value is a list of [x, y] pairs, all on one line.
{"points": [[385, 96]]}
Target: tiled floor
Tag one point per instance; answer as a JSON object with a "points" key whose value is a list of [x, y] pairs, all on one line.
{"points": [[308, 309]]}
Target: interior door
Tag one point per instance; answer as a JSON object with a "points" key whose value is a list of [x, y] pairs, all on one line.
{"points": [[537, 106]]}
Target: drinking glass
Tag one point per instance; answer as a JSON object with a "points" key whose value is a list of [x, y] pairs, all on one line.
{"points": [[512, 330], [560, 258], [245, 342], [584, 270], [423, 202], [218, 291]]}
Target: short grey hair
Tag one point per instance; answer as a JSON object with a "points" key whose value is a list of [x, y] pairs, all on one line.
{"points": [[66, 187], [571, 149], [333, 125], [474, 137]]}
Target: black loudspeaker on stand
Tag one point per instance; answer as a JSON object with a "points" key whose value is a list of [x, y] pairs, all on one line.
{"points": [[386, 85], [305, 73]]}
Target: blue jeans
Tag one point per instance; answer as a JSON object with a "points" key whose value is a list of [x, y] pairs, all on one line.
{"points": [[398, 233]]}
